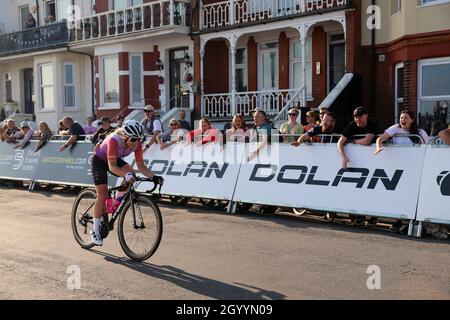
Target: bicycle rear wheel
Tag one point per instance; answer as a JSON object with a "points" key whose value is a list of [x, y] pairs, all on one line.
{"points": [[82, 217], [140, 240]]}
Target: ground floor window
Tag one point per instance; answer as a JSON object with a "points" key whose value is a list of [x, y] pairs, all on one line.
{"points": [[399, 91], [8, 87], [296, 65], [434, 94], [110, 91], [47, 100]]}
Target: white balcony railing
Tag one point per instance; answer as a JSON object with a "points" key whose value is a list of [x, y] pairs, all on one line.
{"points": [[231, 12], [149, 16], [219, 105]]}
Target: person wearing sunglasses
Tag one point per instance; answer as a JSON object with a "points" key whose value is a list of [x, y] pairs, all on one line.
{"points": [[108, 157], [291, 130], [152, 125], [169, 137]]}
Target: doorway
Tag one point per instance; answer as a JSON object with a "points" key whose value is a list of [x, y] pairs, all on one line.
{"points": [[179, 89], [28, 90]]}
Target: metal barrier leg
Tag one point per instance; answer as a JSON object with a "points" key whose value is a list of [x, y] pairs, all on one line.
{"points": [[31, 186], [232, 207], [411, 228], [419, 230]]}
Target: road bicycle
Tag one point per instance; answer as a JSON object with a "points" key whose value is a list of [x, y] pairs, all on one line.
{"points": [[140, 224]]}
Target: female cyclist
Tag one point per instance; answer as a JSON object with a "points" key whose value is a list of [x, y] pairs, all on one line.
{"points": [[108, 157]]}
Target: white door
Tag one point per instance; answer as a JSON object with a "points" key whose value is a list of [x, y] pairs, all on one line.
{"points": [[268, 99]]}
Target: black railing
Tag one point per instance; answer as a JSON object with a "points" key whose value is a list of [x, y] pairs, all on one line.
{"points": [[45, 37]]}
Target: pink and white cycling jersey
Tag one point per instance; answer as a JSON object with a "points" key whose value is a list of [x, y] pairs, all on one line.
{"points": [[114, 147]]}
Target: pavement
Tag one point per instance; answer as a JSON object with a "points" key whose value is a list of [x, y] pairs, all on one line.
{"points": [[206, 254]]}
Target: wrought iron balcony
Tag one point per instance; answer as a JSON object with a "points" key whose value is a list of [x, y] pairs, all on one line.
{"points": [[46, 37], [153, 16], [240, 12]]}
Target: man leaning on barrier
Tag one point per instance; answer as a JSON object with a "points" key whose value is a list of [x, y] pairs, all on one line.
{"points": [[325, 128], [10, 132], [75, 130], [262, 129], [26, 133], [361, 125], [445, 136]]}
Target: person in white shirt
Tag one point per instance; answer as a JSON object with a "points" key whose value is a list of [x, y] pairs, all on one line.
{"points": [[407, 125]]}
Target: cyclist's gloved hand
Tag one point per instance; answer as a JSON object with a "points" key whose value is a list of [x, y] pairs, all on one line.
{"points": [[158, 180], [129, 177]]}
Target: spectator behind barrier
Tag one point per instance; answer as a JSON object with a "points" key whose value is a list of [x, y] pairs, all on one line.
{"points": [[445, 136], [326, 128], [407, 125], [312, 119], [291, 128], [44, 134], [3, 128], [120, 120], [88, 128], [261, 128], [173, 135], [75, 130], [183, 123], [238, 131], [25, 135], [30, 22], [104, 130], [322, 113], [62, 131], [10, 132], [205, 134], [152, 126], [361, 126]]}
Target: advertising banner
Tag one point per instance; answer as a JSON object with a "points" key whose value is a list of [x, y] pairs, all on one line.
{"points": [[434, 199], [18, 164], [311, 176]]}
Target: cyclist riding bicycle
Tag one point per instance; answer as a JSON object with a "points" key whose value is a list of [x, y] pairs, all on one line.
{"points": [[108, 157]]}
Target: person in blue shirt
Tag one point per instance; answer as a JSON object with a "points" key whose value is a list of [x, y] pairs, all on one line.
{"points": [[75, 130]]}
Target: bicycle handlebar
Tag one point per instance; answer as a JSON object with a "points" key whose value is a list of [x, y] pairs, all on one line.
{"points": [[155, 185]]}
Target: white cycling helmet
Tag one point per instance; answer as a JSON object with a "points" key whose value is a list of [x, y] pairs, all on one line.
{"points": [[133, 129]]}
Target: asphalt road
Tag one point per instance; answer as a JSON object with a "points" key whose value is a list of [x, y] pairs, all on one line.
{"points": [[212, 255]]}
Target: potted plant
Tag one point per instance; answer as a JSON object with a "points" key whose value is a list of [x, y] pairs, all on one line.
{"points": [[9, 105]]}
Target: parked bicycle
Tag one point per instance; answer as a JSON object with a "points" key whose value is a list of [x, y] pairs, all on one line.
{"points": [[140, 224]]}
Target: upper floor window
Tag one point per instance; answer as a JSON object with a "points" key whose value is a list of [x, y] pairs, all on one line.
{"points": [[23, 13], [431, 2], [396, 7]]}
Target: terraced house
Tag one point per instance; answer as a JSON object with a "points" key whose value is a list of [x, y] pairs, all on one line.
{"points": [[219, 58]]}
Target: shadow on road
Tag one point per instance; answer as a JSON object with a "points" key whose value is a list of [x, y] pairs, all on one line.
{"points": [[203, 286]]}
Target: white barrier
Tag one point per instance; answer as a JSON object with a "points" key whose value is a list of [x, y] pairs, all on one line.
{"points": [[311, 177], [434, 199], [208, 171]]}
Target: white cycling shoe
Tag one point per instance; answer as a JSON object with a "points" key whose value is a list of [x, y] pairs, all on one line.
{"points": [[96, 238]]}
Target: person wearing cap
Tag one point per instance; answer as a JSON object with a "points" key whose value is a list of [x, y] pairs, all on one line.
{"points": [[152, 126], [75, 130], [361, 126], [102, 132], [88, 128], [25, 134]]}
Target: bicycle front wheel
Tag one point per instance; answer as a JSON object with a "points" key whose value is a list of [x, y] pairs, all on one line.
{"points": [[140, 230]]}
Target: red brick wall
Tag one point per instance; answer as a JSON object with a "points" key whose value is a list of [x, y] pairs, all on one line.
{"points": [[353, 39], [124, 80], [409, 50], [283, 61], [319, 54], [216, 67], [101, 6], [151, 82], [252, 64]]}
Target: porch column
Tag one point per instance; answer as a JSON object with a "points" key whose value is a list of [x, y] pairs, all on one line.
{"points": [[233, 78], [303, 47], [232, 12], [202, 83]]}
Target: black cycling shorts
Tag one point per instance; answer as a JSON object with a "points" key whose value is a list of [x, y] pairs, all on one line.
{"points": [[100, 170]]}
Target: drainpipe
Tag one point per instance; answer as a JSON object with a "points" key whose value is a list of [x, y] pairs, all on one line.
{"points": [[37, 14], [373, 67], [91, 57]]}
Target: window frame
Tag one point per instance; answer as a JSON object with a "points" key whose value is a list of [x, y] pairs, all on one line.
{"points": [[399, 8], [241, 66], [7, 77], [142, 102], [398, 100], [74, 80], [42, 107], [420, 98], [107, 105], [21, 23], [292, 61]]}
